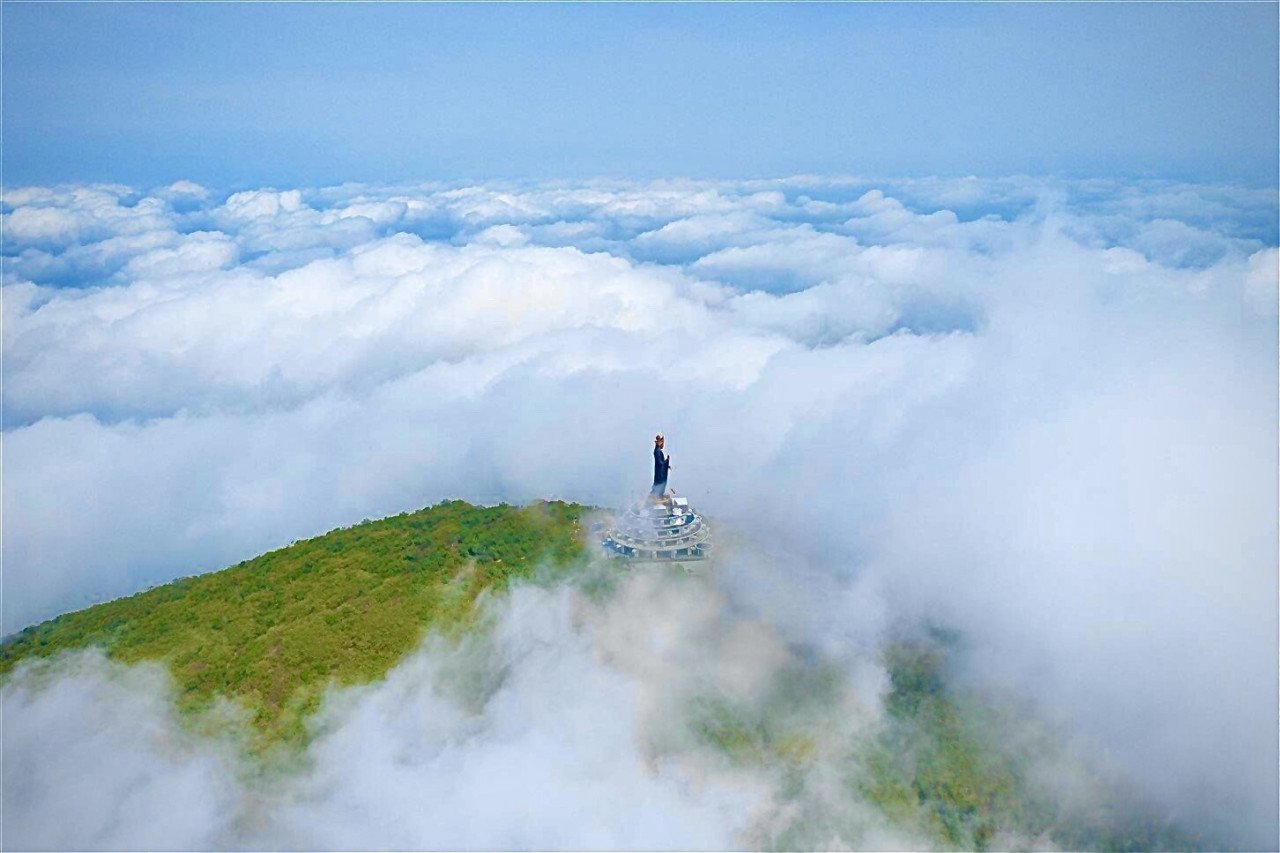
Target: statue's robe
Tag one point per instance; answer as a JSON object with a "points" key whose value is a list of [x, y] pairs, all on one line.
{"points": [[661, 464]]}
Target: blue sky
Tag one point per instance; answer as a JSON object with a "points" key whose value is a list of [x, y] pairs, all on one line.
{"points": [[241, 95]]}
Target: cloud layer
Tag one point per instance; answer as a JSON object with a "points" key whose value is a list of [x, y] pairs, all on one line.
{"points": [[1040, 412]]}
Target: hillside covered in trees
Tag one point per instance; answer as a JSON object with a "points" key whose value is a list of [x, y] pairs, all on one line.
{"points": [[342, 608]]}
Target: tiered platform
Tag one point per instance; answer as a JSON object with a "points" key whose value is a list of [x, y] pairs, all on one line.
{"points": [[658, 530]]}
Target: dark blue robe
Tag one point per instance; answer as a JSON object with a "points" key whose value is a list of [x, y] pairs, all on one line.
{"points": [[661, 464]]}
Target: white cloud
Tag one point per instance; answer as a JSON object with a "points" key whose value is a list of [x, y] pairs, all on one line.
{"points": [[194, 253], [60, 218], [1262, 289], [94, 758], [1045, 417], [557, 757], [262, 204], [186, 188]]}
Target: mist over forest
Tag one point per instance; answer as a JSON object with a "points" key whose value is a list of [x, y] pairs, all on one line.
{"points": [[1029, 422]]}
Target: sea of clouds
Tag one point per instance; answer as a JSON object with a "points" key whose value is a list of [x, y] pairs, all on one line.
{"points": [[1039, 412]]}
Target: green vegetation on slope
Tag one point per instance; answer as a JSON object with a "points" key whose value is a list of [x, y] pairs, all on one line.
{"points": [[965, 771], [943, 765], [342, 608], [929, 767]]}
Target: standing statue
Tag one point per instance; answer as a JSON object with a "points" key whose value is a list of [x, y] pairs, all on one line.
{"points": [[661, 465], [658, 528]]}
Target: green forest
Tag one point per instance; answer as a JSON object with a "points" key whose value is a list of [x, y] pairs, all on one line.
{"points": [[274, 631]]}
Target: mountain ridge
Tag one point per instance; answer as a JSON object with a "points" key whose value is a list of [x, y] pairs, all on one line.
{"points": [[274, 631]]}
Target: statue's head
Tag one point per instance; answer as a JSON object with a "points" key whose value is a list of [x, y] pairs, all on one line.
{"points": [[659, 440]]}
